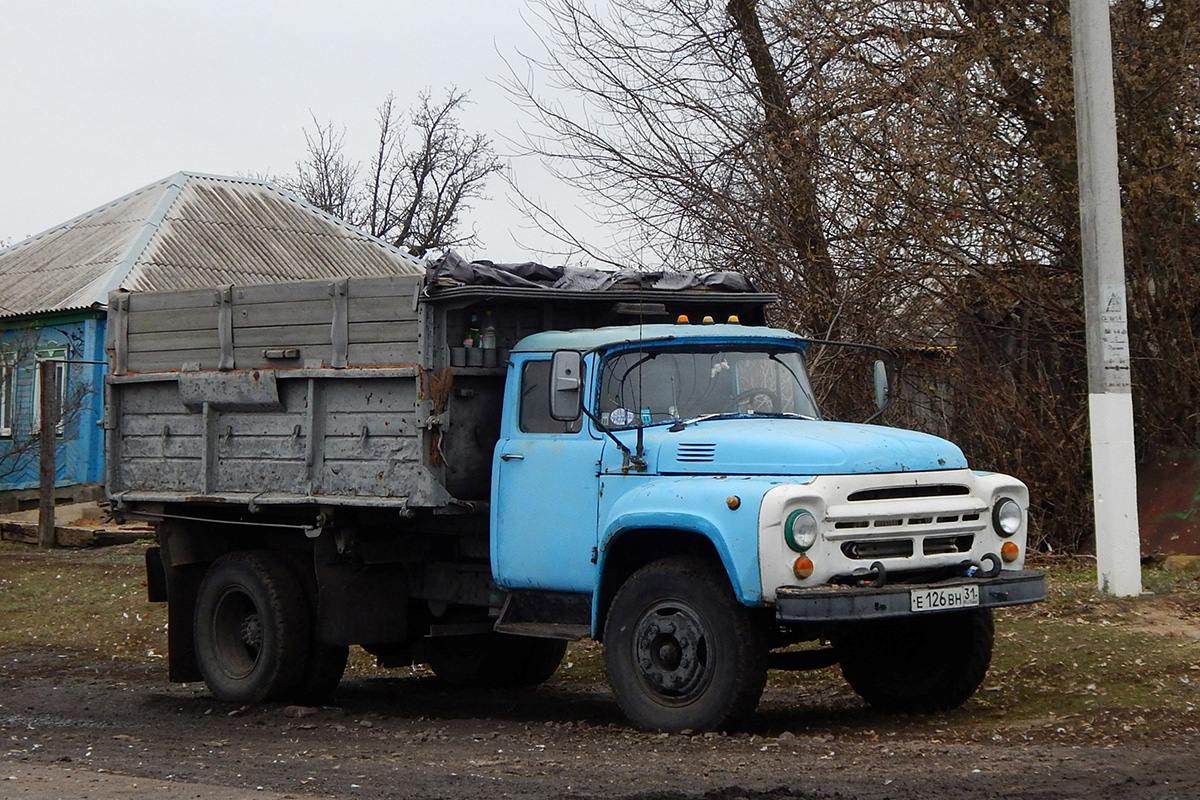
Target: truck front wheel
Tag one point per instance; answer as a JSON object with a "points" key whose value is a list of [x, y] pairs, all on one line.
{"points": [[681, 652], [252, 628], [918, 665]]}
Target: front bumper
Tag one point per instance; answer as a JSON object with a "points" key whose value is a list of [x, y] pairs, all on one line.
{"points": [[851, 604]]}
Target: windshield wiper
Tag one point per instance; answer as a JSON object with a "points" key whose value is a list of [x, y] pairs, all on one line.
{"points": [[680, 424]]}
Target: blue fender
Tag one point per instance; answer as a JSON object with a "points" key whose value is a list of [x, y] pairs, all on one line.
{"points": [[690, 504]]}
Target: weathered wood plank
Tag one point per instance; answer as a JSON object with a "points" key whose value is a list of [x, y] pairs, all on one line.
{"points": [[67, 536], [173, 340], [253, 358], [152, 424], [141, 303], [294, 335], [362, 479], [388, 424], [399, 286], [290, 292], [249, 423], [262, 315], [268, 448], [172, 447], [154, 474], [387, 333], [380, 309], [382, 355], [259, 475], [378, 450], [355, 396], [146, 399], [209, 358], [185, 319]]}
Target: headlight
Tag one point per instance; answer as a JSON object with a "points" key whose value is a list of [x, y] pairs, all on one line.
{"points": [[1007, 516], [800, 530]]}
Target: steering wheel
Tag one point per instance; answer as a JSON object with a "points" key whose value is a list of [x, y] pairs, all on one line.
{"points": [[757, 401]]}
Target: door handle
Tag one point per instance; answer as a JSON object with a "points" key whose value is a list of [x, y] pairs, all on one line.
{"points": [[511, 456]]}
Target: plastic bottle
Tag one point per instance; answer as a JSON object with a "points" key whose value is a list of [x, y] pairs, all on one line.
{"points": [[488, 339], [471, 339]]}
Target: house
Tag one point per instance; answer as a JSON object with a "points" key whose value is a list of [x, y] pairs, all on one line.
{"points": [[185, 231]]}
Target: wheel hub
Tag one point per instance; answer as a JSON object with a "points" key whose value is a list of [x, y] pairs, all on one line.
{"points": [[238, 633], [252, 631], [671, 648]]}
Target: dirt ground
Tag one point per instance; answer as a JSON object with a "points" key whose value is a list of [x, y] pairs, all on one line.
{"points": [[76, 727]]}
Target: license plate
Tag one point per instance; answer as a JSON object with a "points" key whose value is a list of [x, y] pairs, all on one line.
{"points": [[944, 598]]}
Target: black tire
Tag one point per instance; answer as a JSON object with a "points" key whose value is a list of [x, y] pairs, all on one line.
{"points": [[495, 660], [252, 628], [326, 663], [680, 651], [919, 665], [324, 671]]}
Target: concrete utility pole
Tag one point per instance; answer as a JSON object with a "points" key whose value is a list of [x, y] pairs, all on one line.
{"points": [[1110, 393]]}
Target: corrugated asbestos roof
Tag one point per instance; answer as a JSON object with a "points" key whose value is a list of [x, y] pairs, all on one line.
{"points": [[187, 231]]}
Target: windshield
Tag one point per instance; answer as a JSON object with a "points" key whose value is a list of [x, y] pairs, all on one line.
{"points": [[662, 384]]}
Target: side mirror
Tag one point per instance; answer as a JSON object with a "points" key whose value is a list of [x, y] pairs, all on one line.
{"points": [[566, 385], [883, 392]]}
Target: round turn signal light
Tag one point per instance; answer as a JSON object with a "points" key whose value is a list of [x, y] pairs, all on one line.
{"points": [[1009, 552], [802, 567]]}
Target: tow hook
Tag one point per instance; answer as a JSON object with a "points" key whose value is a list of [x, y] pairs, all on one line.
{"points": [[878, 579], [994, 570], [981, 571]]}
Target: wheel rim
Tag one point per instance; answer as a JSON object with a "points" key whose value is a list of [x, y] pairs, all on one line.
{"points": [[671, 648], [237, 633]]}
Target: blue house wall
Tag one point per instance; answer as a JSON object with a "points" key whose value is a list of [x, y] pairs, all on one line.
{"points": [[79, 454]]}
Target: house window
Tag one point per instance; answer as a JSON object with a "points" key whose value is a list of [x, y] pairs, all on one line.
{"points": [[8, 393], [59, 355]]}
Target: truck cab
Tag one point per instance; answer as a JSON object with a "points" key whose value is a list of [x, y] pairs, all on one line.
{"points": [[630, 455]]}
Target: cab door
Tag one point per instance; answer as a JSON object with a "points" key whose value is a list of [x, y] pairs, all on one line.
{"points": [[544, 501]]}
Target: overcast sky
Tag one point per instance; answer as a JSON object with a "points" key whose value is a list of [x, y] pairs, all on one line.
{"points": [[101, 98]]}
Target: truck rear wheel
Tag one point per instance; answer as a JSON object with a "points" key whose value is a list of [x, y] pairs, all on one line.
{"points": [[252, 628], [323, 673], [326, 662], [497, 660], [681, 652], [919, 665]]}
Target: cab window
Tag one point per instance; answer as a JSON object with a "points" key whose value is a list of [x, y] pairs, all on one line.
{"points": [[535, 402]]}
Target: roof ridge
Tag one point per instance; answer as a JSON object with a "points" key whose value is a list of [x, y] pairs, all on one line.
{"points": [[111, 246], [93, 212], [128, 260]]}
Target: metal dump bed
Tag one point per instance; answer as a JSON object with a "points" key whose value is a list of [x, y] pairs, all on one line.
{"points": [[343, 392]]}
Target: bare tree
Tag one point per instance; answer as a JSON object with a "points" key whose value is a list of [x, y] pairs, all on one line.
{"points": [[21, 427], [903, 171], [326, 178], [424, 173]]}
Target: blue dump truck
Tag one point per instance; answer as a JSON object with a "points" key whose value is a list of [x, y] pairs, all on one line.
{"points": [[472, 468]]}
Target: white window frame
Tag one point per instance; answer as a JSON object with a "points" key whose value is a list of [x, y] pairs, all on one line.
{"points": [[56, 353], [8, 393]]}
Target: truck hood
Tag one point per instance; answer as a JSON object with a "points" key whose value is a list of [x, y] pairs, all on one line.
{"points": [[771, 446]]}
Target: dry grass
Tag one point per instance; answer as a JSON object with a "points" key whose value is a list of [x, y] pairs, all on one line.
{"points": [[91, 601], [1081, 663]]}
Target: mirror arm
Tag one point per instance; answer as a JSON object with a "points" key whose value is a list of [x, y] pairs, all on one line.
{"points": [[632, 461], [886, 355]]}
